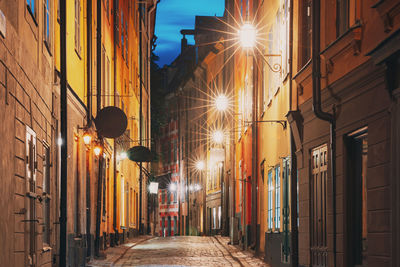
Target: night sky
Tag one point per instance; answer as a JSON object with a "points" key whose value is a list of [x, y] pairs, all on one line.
{"points": [[174, 15]]}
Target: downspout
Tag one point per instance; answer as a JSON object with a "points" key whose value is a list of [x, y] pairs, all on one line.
{"points": [[316, 96], [294, 251], [89, 117], [254, 151], [64, 134], [140, 112], [115, 8], [98, 98], [149, 11]]}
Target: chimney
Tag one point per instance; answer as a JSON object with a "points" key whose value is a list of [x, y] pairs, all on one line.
{"points": [[183, 44]]}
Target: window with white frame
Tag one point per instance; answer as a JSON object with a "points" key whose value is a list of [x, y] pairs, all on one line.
{"points": [[270, 200], [277, 197]]}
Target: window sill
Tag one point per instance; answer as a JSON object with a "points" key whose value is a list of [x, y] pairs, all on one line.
{"points": [[351, 39], [387, 10]]}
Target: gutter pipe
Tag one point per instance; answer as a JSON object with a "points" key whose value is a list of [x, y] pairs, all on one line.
{"points": [[115, 104], [316, 96], [89, 117], [64, 134], [98, 99], [294, 251]]}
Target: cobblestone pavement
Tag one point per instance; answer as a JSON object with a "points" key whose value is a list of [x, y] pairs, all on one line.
{"points": [[178, 251]]}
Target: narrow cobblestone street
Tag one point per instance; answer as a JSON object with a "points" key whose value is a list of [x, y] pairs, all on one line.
{"points": [[178, 251]]}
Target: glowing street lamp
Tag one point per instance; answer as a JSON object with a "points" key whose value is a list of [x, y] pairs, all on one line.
{"points": [[87, 138], [218, 136], [172, 187], [97, 150], [197, 187], [123, 155], [200, 165], [247, 35], [221, 103]]}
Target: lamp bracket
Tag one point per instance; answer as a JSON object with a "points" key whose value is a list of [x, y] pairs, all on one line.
{"points": [[276, 67]]}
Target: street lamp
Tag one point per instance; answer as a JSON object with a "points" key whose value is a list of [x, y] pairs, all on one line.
{"points": [[172, 187], [247, 35], [97, 150], [221, 102], [218, 136], [200, 165], [87, 138]]}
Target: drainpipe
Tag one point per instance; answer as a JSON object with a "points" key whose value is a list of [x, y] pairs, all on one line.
{"points": [[115, 8], [316, 96], [294, 251], [64, 134], [89, 117], [140, 112], [254, 175], [98, 98]]}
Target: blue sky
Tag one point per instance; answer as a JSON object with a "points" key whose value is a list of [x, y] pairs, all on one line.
{"points": [[174, 15]]}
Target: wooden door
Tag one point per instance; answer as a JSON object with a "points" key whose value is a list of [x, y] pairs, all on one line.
{"points": [[319, 168]]}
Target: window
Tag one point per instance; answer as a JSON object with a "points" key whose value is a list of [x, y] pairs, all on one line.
{"points": [[117, 22], [31, 7], [357, 151], [285, 21], [306, 31], [214, 212], [31, 168], [107, 85], [219, 217], [47, 23], [78, 26], [58, 10], [269, 73], [122, 218], [347, 14], [46, 194], [319, 168], [270, 199], [122, 34], [277, 197], [126, 41]]}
